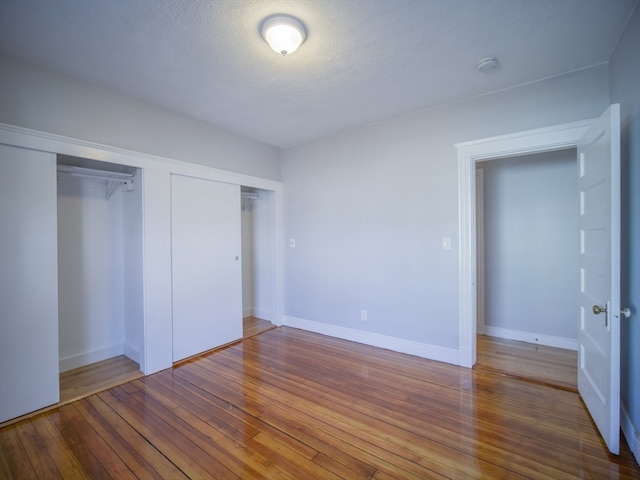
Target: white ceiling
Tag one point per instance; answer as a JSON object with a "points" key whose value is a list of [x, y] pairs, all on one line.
{"points": [[363, 61]]}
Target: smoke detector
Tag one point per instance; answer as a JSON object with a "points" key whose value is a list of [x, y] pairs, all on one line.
{"points": [[487, 65]]}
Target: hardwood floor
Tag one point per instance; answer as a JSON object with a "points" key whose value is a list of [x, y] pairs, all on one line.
{"points": [[289, 404], [84, 381], [555, 367], [252, 326]]}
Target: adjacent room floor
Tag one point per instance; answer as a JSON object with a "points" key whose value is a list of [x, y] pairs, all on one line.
{"points": [[554, 367]]}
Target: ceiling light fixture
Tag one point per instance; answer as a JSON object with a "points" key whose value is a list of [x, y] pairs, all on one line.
{"points": [[283, 33]]}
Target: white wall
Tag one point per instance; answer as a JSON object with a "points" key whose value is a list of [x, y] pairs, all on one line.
{"points": [[49, 101], [531, 248], [99, 265], [625, 89], [369, 208]]}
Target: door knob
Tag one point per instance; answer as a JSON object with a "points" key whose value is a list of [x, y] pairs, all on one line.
{"points": [[625, 312], [598, 310]]}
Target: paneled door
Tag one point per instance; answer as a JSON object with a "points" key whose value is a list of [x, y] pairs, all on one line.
{"points": [[29, 376], [599, 323], [206, 265]]}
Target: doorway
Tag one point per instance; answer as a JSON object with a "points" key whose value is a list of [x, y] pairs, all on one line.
{"points": [[527, 231], [469, 154]]}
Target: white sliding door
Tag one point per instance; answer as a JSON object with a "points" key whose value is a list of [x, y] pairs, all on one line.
{"points": [[28, 282], [206, 268]]}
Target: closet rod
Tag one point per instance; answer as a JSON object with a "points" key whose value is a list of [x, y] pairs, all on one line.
{"points": [[252, 196], [96, 174]]}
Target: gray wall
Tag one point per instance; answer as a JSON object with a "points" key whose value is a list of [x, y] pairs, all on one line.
{"points": [[624, 70], [369, 208], [531, 245], [52, 102]]}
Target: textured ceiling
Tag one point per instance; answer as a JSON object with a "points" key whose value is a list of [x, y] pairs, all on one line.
{"points": [[363, 61]]}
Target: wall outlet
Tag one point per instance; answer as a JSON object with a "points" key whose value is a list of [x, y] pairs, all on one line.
{"points": [[292, 243], [363, 315]]}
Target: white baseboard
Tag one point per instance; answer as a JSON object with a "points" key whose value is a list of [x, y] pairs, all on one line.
{"points": [[631, 433], [262, 313], [132, 353], [75, 361], [547, 340], [432, 352]]}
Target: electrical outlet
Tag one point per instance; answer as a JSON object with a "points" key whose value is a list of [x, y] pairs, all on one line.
{"points": [[363, 315], [292, 243]]}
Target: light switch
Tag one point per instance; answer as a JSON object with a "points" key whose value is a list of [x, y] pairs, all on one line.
{"points": [[446, 243]]}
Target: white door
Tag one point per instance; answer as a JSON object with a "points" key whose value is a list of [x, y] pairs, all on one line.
{"points": [[206, 268], [28, 282], [599, 327]]}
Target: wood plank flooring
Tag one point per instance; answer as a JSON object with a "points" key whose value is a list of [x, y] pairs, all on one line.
{"points": [[89, 379], [289, 404], [83, 381], [252, 326], [555, 367]]}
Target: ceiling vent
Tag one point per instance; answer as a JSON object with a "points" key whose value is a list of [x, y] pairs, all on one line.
{"points": [[488, 65]]}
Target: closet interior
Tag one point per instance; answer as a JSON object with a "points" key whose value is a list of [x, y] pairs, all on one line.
{"points": [[258, 262], [100, 276]]}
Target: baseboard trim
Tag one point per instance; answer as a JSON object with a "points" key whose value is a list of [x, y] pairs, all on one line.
{"points": [[431, 352], [547, 340], [132, 353], [631, 433], [87, 358], [262, 313]]}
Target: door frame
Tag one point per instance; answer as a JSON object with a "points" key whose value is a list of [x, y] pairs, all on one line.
{"points": [[541, 140]]}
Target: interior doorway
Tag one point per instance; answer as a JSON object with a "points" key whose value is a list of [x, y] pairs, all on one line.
{"points": [[469, 154], [527, 235]]}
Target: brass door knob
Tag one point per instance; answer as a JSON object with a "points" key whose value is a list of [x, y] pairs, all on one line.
{"points": [[598, 310]]}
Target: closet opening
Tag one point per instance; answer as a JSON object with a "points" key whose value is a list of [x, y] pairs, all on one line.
{"points": [[527, 266], [258, 261], [100, 275]]}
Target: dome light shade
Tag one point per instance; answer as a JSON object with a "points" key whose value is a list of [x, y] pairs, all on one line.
{"points": [[283, 33]]}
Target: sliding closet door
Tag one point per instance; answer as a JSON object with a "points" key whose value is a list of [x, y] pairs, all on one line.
{"points": [[28, 282], [206, 268]]}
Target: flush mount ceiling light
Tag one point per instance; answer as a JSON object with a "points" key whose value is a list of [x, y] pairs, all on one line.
{"points": [[283, 33]]}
